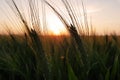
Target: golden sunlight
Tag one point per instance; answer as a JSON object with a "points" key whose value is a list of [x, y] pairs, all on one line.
{"points": [[55, 26], [54, 30]]}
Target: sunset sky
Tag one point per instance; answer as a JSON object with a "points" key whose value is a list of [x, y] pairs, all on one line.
{"points": [[103, 14]]}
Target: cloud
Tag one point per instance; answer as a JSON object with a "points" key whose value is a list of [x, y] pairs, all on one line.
{"points": [[93, 9], [118, 0]]}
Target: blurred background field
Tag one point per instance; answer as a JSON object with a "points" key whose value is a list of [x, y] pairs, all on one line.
{"points": [[22, 59]]}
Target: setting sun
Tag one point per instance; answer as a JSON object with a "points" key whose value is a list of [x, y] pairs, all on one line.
{"points": [[54, 30], [55, 26]]}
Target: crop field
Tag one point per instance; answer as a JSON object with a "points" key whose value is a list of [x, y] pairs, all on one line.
{"points": [[76, 56], [58, 58]]}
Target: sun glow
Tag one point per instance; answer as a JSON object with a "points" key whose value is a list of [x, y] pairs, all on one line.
{"points": [[54, 30], [55, 26]]}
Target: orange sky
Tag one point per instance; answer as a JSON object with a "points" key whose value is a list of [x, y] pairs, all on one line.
{"points": [[103, 14]]}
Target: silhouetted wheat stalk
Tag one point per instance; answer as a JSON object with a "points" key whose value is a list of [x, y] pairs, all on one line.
{"points": [[34, 34], [72, 27]]}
